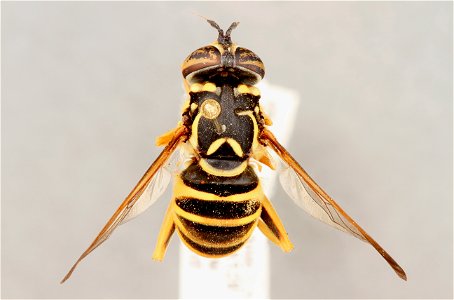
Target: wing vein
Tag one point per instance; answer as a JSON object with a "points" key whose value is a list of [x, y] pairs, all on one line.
{"points": [[315, 192], [179, 135]]}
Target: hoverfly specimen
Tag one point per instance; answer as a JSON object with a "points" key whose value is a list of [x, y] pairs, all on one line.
{"points": [[217, 197]]}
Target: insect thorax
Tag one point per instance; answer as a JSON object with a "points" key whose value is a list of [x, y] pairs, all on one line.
{"points": [[224, 120]]}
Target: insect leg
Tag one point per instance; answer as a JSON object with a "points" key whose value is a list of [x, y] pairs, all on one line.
{"points": [[272, 226], [166, 232], [268, 233]]}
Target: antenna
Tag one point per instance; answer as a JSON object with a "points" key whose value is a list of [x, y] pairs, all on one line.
{"points": [[223, 39]]}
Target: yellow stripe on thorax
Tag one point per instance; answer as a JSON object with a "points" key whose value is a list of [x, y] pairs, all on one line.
{"points": [[218, 143], [194, 132], [215, 145], [250, 113]]}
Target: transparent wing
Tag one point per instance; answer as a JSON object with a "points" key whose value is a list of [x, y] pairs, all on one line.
{"points": [[128, 208], [314, 204], [313, 199], [153, 191], [159, 183]]}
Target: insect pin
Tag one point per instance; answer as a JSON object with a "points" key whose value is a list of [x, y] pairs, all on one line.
{"points": [[218, 200]]}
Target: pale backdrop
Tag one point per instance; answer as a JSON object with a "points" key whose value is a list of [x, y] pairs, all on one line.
{"points": [[87, 86]]}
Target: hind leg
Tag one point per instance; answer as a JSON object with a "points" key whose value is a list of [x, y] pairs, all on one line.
{"points": [[166, 232], [272, 227]]}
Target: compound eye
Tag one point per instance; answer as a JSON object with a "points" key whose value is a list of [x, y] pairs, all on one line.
{"points": [[210, 109], [249, 62], [200, 60]]}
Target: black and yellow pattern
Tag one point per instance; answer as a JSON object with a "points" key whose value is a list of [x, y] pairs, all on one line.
{"points": [[217, 199], [215, 215]]}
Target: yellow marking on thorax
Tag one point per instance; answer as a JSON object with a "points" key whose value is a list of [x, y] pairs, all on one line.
{"points": [[248, 89], [215, 145], [233, 143], [195, 87], [203, 87], [194, 132], [235, 146], [211, 110], [193, 107], [242, 89], [255, 141], [209, 87]]}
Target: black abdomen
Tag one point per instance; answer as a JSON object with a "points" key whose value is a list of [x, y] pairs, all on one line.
{"points": [[219, 221]]}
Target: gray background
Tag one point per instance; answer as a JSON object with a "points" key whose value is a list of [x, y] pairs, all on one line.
{"points": [[86, 88]]}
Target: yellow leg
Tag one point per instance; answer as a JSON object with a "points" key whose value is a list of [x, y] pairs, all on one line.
{"points": [[167, 229], [272, 226], [267, 232]]}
